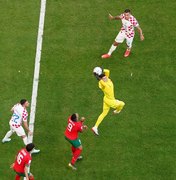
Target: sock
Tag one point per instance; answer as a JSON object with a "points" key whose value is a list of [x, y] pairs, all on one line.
{"points": [[17, 177], [8, 134], [76, 155], [112, 49], [73, 149], [25, 140]]}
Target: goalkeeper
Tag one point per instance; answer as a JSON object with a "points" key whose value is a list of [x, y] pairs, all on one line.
{"points": [[109, 101]]}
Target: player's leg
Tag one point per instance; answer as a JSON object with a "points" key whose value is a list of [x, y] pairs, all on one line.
{"points": [[21, 133], [7, 136], [77, 152], [118, 106], [73, 149], [24, 138], [129, 42], [119, 39], [106, 109], [17, 177]]}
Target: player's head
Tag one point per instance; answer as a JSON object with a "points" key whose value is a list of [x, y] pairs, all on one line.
{"points": [[127, 13], [74, 117], [24, 102], [30, 147], [102, 75]]}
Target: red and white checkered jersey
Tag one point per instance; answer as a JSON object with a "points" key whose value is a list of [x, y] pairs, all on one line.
{"points": [[128, 25], [19, 114]]}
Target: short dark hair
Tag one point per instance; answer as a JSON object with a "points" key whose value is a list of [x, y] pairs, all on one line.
{"points": [[74, 117], [127, 11], [30, 147], [22, 101], [102, 75]]}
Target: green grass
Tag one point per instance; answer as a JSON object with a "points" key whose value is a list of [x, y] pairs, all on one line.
{"points": [[137, 144]]}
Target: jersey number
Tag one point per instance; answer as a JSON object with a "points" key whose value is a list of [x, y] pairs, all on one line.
{"points": [[15, 117], [20, 158], [69, 127]]}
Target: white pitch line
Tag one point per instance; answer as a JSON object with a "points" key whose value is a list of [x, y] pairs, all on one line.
{"points": [[37, 69]]}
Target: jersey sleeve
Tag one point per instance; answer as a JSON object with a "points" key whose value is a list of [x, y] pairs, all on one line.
{"points": [[102, 84], [28, 162], [69, 119], [122, 15], [24, 115], [135, 22], [80, 126], [107, 72], [13, 108]]}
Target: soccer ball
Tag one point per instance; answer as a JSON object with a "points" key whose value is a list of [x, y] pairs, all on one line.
{"points": [[98, 70]]}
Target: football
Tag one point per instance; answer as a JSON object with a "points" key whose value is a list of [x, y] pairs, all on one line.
{"points": [[98, 70], [31, 177]]}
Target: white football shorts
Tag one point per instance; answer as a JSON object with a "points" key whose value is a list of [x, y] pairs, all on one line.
{"points": [[19, 130], [121, 37]]}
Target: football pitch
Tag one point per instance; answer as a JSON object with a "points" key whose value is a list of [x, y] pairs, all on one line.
{"points": [[137, 144]]}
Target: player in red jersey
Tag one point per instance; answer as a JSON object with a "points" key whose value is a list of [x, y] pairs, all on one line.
{"points": [[71, 135], [22, 161]]}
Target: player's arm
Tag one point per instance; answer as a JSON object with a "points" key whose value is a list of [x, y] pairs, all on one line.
{"points": [[82, 120], [106, 72], [102, 84], [82, 126], [27, 127], [12, 165], [12, 109], [140, 33], [26, 172], [115, 17]]}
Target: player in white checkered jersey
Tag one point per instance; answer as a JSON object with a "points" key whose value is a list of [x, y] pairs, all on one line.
{"points": [[127, 32], [18, 118]]}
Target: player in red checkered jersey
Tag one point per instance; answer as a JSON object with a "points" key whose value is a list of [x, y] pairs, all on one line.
{"points": [[22, 162], [71, 135], [127, 32], [19, 116]]}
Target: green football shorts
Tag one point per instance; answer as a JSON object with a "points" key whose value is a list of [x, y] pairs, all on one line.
{"points": [[76, 143], [22, 174]]}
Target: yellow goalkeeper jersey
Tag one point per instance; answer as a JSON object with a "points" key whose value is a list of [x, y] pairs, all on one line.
{"points": [[108, 86]]}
